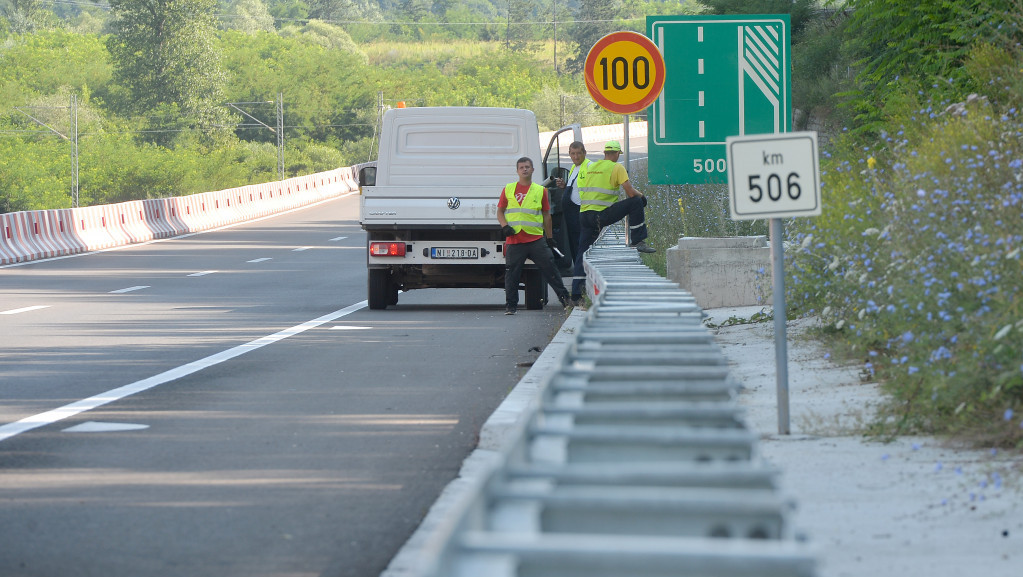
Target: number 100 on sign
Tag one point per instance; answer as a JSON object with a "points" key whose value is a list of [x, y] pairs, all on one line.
{"points": [[773, 175]]}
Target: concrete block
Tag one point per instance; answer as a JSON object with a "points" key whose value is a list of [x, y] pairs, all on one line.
{"points": [[722, 272]]}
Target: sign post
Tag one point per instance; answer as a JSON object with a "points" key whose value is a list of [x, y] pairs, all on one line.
{"points": [[624, 73], [775, 176]]}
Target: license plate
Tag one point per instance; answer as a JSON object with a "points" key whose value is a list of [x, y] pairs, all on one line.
{"points": [[454, 252]]}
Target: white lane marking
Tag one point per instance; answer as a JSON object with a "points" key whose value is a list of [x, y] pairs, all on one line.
{"points": [[699, 33], [337, 238], [702, 98], [301, 248], [349, 328], [703, 129], [128, 290], [24, 310], [203, 273], [98, 427], [699, 66], [49, 417], [264, 259]]}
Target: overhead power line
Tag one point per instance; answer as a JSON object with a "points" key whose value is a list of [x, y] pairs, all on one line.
{"points": [[380, 22]]}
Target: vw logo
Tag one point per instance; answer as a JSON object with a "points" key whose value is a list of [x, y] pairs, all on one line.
{"points": [[454, 203]]}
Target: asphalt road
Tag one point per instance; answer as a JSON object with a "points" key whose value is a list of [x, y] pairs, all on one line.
{"points": [[268, 423]]}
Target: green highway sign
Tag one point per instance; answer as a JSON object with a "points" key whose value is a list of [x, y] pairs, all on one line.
{"points": [[724, 76]]}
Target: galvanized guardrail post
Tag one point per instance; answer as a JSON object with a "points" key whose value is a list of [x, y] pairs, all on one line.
{"points": [[636, 461]]}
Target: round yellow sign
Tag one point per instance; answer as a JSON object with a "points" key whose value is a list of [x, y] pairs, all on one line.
{"points": [[624, 72]]}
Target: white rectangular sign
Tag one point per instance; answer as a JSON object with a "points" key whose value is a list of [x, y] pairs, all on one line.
{"points": [[773, 175]]}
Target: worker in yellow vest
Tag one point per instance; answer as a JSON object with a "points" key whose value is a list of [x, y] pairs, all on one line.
{"points": [[524, 212], [598, 185]]}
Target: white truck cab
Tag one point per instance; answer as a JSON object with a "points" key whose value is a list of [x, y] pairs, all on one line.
{"points": [[429, 205]]}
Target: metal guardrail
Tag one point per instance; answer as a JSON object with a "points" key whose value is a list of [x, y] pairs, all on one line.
{"points": [[635, 462]]}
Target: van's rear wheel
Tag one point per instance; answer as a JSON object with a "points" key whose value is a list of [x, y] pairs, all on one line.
{"points": [[536, 292], [380, 289]]}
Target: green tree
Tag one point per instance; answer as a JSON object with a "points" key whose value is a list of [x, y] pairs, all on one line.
{"points": [[326, 35], [249, 16], [287, 11], [344, 11], [165, 54], [902, 45], [799, 11], [326, 91], [23, 15], [596, 19], [40, 64], [411, 13], [440, 7], [518, 33]]}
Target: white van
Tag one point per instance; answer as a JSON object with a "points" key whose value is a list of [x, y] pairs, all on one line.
{"points": [[429, 205]]}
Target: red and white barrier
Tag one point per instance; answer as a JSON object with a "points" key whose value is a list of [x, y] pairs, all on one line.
{"points": [[57, 230], [161, 219], [11, 247], [126, 222], [9, 251], [92, 227], [31, 235]]}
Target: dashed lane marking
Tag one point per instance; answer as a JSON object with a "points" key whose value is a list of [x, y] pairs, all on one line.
{"points": [[128, 290], [98, 427], [24, 310]]}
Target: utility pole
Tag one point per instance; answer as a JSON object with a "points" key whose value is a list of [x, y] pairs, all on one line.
{"points": [[280, 135], [73, 139], [555, 3], [279, 131], [376, 126], [74, 150]]}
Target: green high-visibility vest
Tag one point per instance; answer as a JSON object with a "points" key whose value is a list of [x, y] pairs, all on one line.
{"points": [[595, 186], [529, 215]]}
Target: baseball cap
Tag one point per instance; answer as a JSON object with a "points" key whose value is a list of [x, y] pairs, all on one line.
{"points": [[613, 146]]}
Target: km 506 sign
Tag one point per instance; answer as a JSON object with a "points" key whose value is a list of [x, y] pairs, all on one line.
{"points": [[774, 175]]}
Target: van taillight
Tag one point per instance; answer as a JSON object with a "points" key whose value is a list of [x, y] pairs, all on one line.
{"points": [[387, 248]]}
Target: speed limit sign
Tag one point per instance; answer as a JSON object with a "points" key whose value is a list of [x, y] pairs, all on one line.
{"points": [[773, 175], [624, 72]]}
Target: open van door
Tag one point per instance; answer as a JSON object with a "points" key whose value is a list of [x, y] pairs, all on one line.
{"points": [[558, 166]]}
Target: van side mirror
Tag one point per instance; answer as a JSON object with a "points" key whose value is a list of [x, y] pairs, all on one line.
{"points": [[368, 176]]}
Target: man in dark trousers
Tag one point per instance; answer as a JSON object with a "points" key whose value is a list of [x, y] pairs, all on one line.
{"points": [[524, 212], [598, 189], [571, 200]]}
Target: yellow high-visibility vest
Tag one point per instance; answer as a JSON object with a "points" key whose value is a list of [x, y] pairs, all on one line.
{"points": [[595, 186], [529, 215]]}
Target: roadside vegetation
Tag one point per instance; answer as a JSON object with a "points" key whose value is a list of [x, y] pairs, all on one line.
{"points": [[194, 108], [914, 268]]}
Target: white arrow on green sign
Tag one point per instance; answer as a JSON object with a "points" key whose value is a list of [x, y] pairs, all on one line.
{"points": [[724, 76]]}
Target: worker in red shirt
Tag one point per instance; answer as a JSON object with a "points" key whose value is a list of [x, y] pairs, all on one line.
{"points": [[524, 213]]}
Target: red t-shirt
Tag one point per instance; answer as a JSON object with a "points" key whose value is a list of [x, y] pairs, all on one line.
{"points": [[522, 236]]}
